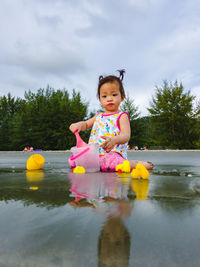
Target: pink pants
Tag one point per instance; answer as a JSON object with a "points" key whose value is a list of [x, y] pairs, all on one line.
{"points": [[107, 162]]}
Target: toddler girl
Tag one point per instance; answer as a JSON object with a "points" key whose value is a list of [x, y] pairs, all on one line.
{"points": [[111, 129]]}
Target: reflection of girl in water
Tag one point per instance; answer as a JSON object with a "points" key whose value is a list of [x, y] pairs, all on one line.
{"points": [[94, 187], [114, 240], [89, 190], [108, 193]]}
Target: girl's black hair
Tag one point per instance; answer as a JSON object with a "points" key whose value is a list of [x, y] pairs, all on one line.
{"points": [[111, 79]]}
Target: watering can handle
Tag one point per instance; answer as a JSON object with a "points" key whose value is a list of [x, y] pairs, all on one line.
{"points": [[79, 141], [80, 154]]}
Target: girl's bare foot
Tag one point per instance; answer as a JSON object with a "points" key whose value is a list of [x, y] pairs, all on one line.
{"points": [[148, 165]]}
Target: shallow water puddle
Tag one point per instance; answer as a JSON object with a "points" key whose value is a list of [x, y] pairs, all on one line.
{"points": [[53, 217]]}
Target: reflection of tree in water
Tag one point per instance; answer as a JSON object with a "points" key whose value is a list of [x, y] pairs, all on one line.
{"points": [[49, 193], [114, 243], [174, 205], [43, 197], [175, 193]]}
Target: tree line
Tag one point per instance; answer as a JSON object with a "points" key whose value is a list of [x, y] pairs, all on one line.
{"points": [[42, 119]]}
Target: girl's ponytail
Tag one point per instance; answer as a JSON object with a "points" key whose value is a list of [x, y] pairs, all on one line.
{"points": [[100, 77], [121, 74]]}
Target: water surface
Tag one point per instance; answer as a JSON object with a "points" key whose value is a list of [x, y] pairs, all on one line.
{"points": [[53, 217]]}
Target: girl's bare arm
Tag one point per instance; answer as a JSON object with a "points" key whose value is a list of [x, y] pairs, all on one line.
{"points": [[82, 125]]}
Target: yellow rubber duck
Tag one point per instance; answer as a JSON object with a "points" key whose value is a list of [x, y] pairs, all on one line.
{"points": [[79, 169], [140, 171], [118, 168], [35, 162], [124, 167], [135, 174]]}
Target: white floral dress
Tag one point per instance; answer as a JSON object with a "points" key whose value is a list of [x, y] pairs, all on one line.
{"points": [[108, 125]]}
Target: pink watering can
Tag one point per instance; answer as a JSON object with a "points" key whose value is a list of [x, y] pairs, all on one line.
{"points": [[85, 155]]}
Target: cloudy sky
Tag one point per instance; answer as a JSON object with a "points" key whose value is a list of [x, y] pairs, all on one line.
{"points": [[69, 43]]}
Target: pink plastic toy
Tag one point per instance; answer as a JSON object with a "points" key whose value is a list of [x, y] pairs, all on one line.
{"points": [[79, 141], [84, 155]]}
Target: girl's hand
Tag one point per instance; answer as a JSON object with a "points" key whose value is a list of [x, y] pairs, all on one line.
{"points": [[76, 127], [109, 143], [82, 125]]}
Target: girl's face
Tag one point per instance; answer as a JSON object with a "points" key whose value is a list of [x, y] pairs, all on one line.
{"points": [[110, 97]]}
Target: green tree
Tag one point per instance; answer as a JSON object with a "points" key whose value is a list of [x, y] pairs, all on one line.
{"points": [[44, 118], [137, 128], [129, 106], [173, 116], [9, 106], [143, 134], [197, 128]]}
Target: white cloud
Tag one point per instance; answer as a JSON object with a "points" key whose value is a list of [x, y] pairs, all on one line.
{"points": [[196, 92], [145, 5], [70, 43], [48, 58]]}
